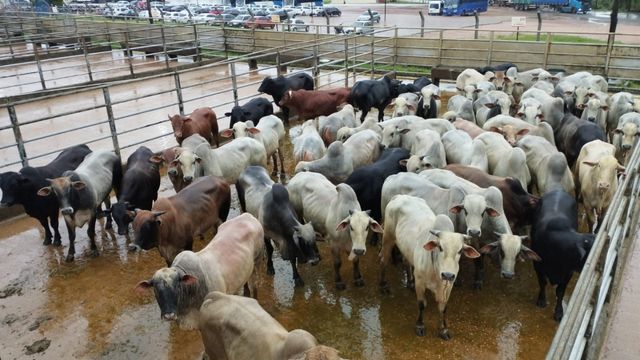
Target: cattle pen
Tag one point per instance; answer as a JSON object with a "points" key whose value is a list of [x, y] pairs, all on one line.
{"points": [[117, 97]]}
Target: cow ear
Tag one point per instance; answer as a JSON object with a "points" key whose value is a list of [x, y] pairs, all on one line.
{"points": [[253, 130], [319, 236], [45, 191], [198, 159], [489, 247], [492, 212], [411, 107], [227, 114], [490, 105], [620, 169], [590, 163], [520, 114], [456, 209], [507, 80], [78, 185], [496, 129], [522, 132], [470, 252], [186, 119], [404, 131], [541, 117], [430, 245], [604, 107], [226, 133], [477, 91], [529, 254], [375, 226], [582, 106], [143, 286], [189, 279], [343, 224], [437, 97], [131, 214], [617, 131], [403, 162], [156, 159], [393, 101]]}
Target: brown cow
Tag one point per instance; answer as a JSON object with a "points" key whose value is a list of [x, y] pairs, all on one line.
{"points": [[202, 121], [236, 327], [174, 171], [310, 104], [519, 205], [469, 127], [173, 221]]}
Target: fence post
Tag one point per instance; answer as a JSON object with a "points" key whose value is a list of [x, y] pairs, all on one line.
{"points": [[355, 58], [395, 49], [38, 65], [226, 46], [539, 25], [176, 78], [346, 63], [234, 83], [18, 135], [128, 50], [421, 23], [316, 71], [108, 32], [547, 50], [373, 56], [440, 43], [112, 123], [326, 16], [83, 43], [6, 31], [490, 55], [610, 43], [196, 43], [278, 63], [164, 47], [475, 32]]}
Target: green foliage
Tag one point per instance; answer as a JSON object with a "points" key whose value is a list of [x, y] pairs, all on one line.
{"points": [[554, 38], [326, 2]]}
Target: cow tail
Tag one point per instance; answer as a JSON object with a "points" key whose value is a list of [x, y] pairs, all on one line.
{"points": [[116, 180], [223, 213]]}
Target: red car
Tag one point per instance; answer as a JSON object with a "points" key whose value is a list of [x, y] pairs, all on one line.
{"points": [[216, 11], [260, 22]]}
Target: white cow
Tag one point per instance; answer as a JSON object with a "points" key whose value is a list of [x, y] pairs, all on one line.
{"points": [[405, 104], [370, 122], [552, 108], [427, 152], [328, 126], [308, 146], [514, 129], [461, 149], [503, 159], [548, 166], [625, 136], [530, 110], [430, 246]]}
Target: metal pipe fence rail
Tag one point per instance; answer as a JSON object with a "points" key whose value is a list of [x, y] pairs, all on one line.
{"points": [[124, 114], [581, 330]]}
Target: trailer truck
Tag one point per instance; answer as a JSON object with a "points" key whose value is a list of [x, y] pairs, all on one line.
{"points": [[570, 6]]}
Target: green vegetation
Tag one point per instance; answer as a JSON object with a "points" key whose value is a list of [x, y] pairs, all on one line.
{"points": [[559, 38], [326, 2]]}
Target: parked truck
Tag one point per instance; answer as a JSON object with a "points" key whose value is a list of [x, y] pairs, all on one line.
{"points": [[435, 7], [570, 6]]}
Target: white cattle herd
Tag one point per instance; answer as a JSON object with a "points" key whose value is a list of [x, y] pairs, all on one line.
{"points": [[505, 144]]}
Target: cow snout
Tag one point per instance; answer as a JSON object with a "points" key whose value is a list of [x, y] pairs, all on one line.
{"points": [[447, 276], [169, 316], [134, 247], [173, 172], [591, 119], [358, 252], [314, 261], [188, 179], [602, 186], [507, 275], [473, 232], [626, 147], [67, 210], [122, 230]]}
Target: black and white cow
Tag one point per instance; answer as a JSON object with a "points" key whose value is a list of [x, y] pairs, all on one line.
{"points": [[277, 87]]}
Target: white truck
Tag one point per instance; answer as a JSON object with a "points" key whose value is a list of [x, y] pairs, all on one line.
{"points": [[435, 7]]}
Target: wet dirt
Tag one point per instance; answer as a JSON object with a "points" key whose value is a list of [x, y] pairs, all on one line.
{"points": [[93, 312]]}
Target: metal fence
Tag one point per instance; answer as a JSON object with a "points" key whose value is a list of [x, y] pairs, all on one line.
{"points": [[581, 331], [124, 114]]}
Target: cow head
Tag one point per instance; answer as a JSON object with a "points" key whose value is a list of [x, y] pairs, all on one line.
{"points": [[604, 173], [286, 98], [267, 86], [14, 187], [392, 136], [304, 238], [241, 129], [170, 286], [358, 223], [450, 246], [123, 214], [510, 133], [343, 133], [177, 121], [146, 227], [402, 107], [593, 110], [507, 249], [65, 189], [629, 132], [474, 207], [189, 163], [530, 111], [428, 93]]}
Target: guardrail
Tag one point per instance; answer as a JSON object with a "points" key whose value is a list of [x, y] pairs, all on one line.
{"points": [[124, 114], [581, 330]]}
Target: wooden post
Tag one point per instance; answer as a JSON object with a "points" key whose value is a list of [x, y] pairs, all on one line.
{"points": [[373, 55], [18, 135], [39, 66], [234, 83], [176, 79], [196, 43], [547, 50], [111, 118], [346, 63], [128, 52], [490, 55], [83, 43], [164, 47]]}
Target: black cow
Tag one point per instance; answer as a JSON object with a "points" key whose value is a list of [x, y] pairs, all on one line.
{"points": [[22, 187], [367, 181], [140, 185], [253, 110], [276, 87], [269, 203], [366, 94], [563, 250], [573, 133], [433, 108], [499, 67], [414, 87]]}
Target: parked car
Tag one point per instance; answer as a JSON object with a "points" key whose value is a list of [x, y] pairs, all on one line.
{"points": [[232, 11], [375, 16], [281, 13], [260, 22], [205, 18], [239, 21], [331, 11], [216, 11], [223, 19], [296, 25], [359, 27], [182, 17]]}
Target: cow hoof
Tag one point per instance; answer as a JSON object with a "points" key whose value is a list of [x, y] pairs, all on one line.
{"points": [[444, 334], [420, 330], [340, 286], [557, 316], [95, 253], [384, 289], [108, 226], [477, 285], [298, 282], [47, 241], [358, 282], [541, 303], [271, 271], [69, 258]]}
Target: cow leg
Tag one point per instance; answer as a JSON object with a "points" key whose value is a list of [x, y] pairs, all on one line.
{"points": [[269, 247], [274, 160], [335, 253], [444, 328], [281, 157], [72, 239], [411, 281], [479, 274], [365, 111], [380, 113], [47, 232], [252, 285], [285, 115], [91, 232], [297, 280], [357, 276], [542, 294], [422, 304], [57, 239], [560, 289], [107, 204], [385, 255]]}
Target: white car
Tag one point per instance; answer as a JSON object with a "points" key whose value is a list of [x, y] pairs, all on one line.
{"points": [[239, 20], [182, 17], [204, 18], [365, 16], [296, 25], [359, 27]]}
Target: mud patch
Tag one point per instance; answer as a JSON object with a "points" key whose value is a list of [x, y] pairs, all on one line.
{"points": [[15, 286], [39, 321], [37, 347], [11, 318]]}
